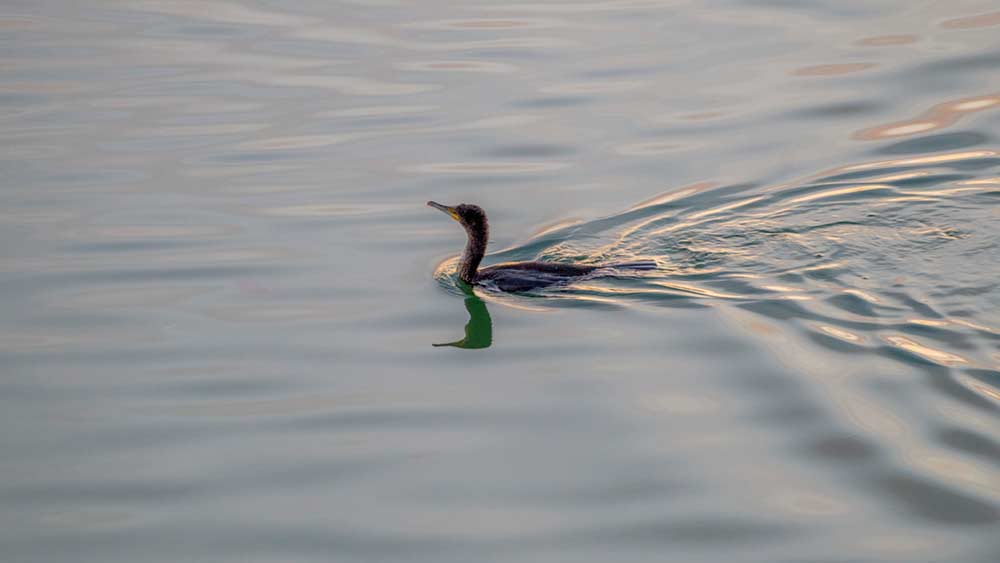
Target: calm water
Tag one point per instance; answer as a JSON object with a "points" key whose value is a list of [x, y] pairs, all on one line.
{"points": [[220, 285]]}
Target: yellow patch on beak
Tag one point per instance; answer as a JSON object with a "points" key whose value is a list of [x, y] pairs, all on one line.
{"points": [[449, 210]]}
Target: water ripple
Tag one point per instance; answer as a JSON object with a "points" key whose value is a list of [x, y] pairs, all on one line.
{"points": [[215, 262]]}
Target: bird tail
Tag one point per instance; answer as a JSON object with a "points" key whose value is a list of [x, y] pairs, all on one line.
{"points": [[637, 265]]}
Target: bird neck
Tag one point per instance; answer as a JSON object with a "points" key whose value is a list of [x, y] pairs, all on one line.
{"points": [[475, 248]]}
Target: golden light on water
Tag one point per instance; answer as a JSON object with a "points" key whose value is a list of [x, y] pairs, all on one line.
{"points": [[697, 290], [558, 225], [840, 191], [217, 254], [924, 351], [672, 195], [979, 388], [938, 117], [724, 208], [839, 333], [928, 322], [862, 295], [908, 175], [995, 181], [919, 160]]}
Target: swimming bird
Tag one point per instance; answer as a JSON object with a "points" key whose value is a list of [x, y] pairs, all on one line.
{"points": [[513, 276]]}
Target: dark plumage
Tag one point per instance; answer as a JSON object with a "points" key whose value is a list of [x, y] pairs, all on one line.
{"points": [[512, 276]]}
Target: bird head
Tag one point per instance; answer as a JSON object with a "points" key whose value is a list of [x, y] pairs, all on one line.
{"points": [[471, 217]]}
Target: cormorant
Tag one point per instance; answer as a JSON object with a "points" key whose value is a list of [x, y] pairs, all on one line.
{"points": [[513, 276]]}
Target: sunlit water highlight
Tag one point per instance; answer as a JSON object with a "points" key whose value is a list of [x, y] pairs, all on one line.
{"points": [[221, 286]]}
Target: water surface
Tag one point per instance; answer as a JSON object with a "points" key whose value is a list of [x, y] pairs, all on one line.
{"points": [[221, 285]]}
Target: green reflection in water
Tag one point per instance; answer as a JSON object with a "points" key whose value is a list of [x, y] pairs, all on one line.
{"points": [[479, 329]]}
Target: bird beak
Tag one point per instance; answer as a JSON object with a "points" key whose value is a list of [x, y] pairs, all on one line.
{"points": [[449, 210]]}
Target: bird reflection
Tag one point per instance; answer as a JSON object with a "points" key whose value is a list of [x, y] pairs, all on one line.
{"points": [[479, 329]]}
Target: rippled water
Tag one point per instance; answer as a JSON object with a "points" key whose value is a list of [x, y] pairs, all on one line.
{"points": [[221, 285]]}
